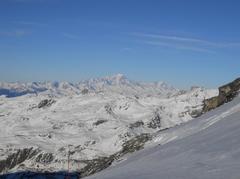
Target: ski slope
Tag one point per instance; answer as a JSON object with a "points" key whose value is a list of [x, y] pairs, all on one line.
{"points": [[205, 148]]}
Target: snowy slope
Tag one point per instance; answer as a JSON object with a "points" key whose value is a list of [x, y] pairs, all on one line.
{"points": [[205, 148], [48, 125]]}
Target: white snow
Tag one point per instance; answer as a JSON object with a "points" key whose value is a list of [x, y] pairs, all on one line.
{"points": [[114, 103], [205, 148]]}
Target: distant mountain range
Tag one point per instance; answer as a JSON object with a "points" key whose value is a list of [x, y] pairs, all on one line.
{"points": [[116, 83]]}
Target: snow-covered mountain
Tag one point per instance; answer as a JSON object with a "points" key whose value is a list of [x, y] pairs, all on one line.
{"points": [[205, 148], [116, 84], [84, 127]]}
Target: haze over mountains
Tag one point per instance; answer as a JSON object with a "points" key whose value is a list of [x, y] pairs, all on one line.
{"points": [[116, 83]]}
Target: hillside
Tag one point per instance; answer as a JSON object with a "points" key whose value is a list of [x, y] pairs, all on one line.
{"points": [[205, 148], [57, 130]]}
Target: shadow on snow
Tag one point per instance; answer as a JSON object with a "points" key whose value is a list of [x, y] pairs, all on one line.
{"points": [[44, 175]]}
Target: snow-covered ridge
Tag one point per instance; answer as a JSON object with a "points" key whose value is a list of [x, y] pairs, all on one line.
{"points": [[93, 120], [116, 83], [205, 148]]}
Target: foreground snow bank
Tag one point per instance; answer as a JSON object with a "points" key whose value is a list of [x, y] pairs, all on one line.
{"points": [[205, 148]]}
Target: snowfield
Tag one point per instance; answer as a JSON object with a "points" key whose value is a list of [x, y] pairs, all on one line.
{"points": [[205, 148], [91, 119]]}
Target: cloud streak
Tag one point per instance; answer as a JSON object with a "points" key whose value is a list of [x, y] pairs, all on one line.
{"points": [[14, 33], [71, 36], [29, 23], [178, 46], [183, 43]]}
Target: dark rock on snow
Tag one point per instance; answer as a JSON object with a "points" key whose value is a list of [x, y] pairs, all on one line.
{"points": [[226, 94], [46, 103], [155, 121]]}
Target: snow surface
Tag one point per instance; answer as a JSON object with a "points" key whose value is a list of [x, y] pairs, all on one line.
{"points": [[94, 124], [205, 148]]}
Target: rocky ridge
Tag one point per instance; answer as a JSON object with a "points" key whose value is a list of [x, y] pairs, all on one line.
{"points": [[226, 94]]}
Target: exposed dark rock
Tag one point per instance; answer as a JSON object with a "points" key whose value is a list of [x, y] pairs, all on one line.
{"points": [[134, 144], [124, 107], [32, 106], [62, 149], [48, 135], [25, 118], [226, 94], [96, 165], [125, 136], [136, 96], [155, 121], [136, 124], [92, 166], [195, 113], [17, 158], [58, 126], [40, 175], [44, 158], [85, 91], [108, 109], [90, 142], [46, 103], [100, 121]]}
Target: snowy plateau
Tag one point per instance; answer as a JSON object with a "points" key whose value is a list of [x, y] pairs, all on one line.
{"points": [[88, 126]]}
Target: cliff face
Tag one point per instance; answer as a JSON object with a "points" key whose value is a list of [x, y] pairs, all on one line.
{"points": [[226, 93]]}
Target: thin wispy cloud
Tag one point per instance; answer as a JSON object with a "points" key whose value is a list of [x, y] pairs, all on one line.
{"points": [[29, 23], [71, 36], [177, 46], [184, 43], [190, 40], [14, 33]]}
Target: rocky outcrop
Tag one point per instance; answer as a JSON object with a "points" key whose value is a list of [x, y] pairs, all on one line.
{"points": [[109, 110], [85, 91], [17, 158], [100, 121], [90, 166], [136, 124], [132, 145], [45, 158], [95, 165], [155, 121], [226, 94], [46, 103], [195, 113]]}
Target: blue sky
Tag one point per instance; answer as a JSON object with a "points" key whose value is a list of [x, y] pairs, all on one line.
{"points": [[182, 42]]}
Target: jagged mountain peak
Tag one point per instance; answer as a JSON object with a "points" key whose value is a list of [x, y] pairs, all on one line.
{"points": [[118, 76], [116, 79], [117, 83]]}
